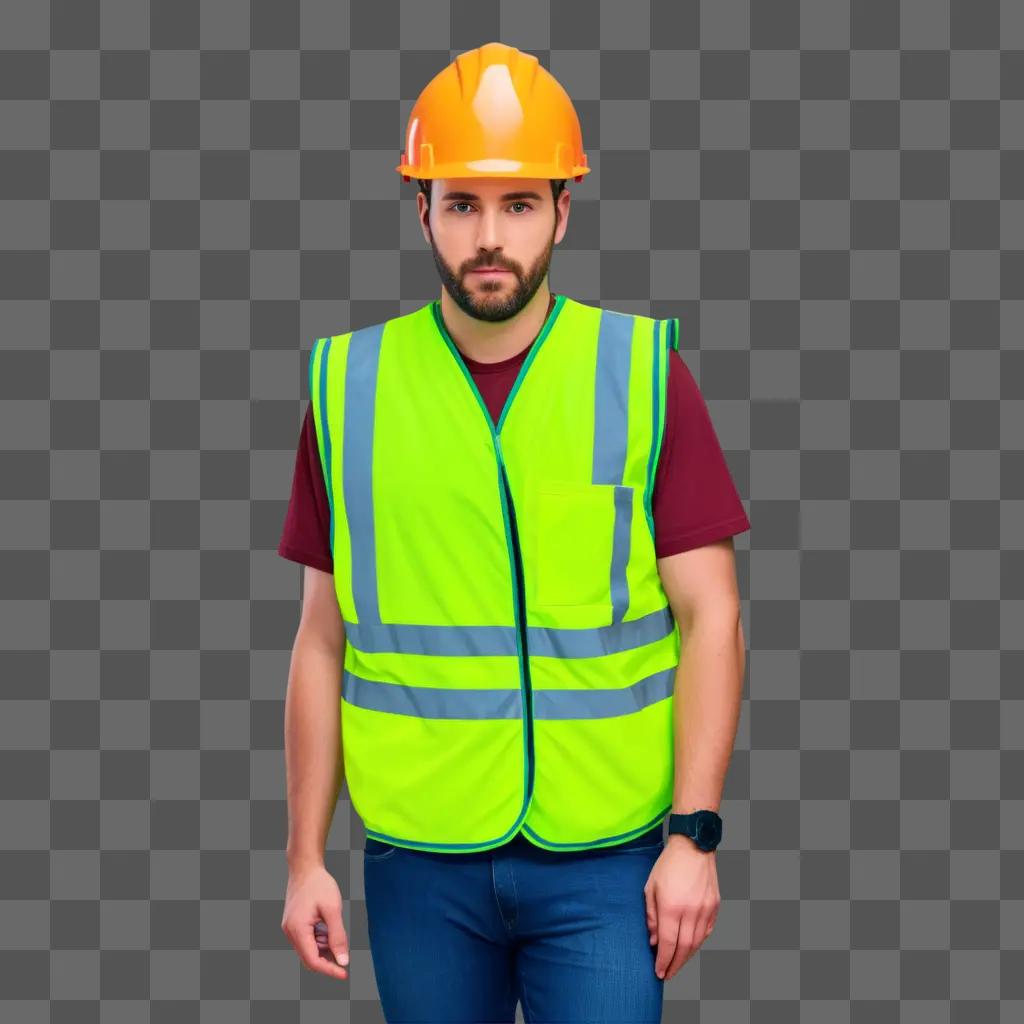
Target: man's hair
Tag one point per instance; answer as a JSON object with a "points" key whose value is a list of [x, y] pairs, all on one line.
{"points": [[557, 185]]}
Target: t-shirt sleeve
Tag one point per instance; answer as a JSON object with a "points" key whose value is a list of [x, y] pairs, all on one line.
{"points": [[695, 501], [306, 536]]}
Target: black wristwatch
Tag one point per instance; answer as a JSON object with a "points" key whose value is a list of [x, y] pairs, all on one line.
{"points": [[703, 827]]}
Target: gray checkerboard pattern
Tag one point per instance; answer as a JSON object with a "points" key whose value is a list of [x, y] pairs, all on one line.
{"points": [[829, 194]]}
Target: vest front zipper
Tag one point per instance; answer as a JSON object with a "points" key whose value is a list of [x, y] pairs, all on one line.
{"points": [[509, 515], [520, 621]]}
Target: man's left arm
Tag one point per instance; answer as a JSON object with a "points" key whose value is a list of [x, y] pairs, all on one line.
{"points": [[702, 591], [682, 891]]}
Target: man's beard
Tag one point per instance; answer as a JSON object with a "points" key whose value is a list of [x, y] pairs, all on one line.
{"points": [[497, 305]]}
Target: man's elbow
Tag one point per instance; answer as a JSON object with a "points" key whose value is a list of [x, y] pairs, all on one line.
{"points": [[719, 612]]}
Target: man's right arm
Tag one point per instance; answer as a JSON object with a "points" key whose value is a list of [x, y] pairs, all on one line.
{"points": [[312, 721]]}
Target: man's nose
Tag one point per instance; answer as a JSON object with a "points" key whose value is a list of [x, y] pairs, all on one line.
{"points": [[489, 232]]}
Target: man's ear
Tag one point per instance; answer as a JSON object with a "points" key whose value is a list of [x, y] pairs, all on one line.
{"points": [[421, 205], [562, 212]]}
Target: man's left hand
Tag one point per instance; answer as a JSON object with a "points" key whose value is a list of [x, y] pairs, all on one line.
{"points": [[682, 902]]}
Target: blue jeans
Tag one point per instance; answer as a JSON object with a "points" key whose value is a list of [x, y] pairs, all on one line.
{"points": [[465, 936]]}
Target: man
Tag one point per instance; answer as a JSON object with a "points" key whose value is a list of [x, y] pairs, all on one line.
{"points": [[516, 523]]}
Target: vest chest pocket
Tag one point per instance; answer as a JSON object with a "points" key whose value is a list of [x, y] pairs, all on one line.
{"points": [[582, 529]]}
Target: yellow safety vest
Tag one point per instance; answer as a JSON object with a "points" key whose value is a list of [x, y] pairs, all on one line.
{"points": [[511, 653]]}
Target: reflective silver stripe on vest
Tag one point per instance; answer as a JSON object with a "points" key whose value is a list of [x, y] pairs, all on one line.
{"points": [[357, 474], [481, 641], [443, 702], [430, 701], [592, 643], [457, 641], [624, 700], [620, 551], [611, 429]]}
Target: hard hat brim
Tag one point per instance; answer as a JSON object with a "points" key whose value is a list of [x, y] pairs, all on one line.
{"points": [[509, 169]]}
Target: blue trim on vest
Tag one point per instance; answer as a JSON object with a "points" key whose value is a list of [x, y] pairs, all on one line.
{"points": [[611, 396], [530, 834], [611, 432], [357, 472], [610, 703], [621, 837], [431, 701], [621, 540], [409, 638], [592, 643], [549, 641], [479, 703]]}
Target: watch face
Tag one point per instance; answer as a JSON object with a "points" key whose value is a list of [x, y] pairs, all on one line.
{"points": [[709, 829]]}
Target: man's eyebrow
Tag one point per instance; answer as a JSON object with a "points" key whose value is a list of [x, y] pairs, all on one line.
{"points": [[505, 198]]}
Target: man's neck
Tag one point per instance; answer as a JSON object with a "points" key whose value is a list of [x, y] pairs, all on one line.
{"points": [[486, 342]]}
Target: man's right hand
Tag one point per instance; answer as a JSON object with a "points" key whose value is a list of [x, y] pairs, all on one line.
{"points": [[312, 897]]}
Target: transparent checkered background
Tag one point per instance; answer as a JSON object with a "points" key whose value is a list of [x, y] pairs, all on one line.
{"points": [[830, 195]]}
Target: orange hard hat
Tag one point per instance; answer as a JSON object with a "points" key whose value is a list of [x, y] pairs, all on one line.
{"points": [[494, 112]]}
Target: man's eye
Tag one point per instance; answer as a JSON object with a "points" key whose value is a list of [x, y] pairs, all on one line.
{"points": [[518, 202]]}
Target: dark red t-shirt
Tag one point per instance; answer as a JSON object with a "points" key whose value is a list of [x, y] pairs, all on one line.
{"points": [[694, 501]]}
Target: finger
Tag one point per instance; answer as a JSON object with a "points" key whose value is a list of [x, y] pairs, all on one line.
{"points": [[309, 953], [707, 924], [322, 942], [668, 936], [652, 917], [685, 946], [337, 940]]}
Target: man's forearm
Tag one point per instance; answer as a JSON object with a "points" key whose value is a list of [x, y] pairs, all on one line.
{"points": [[313, 753], [708, 697]]}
